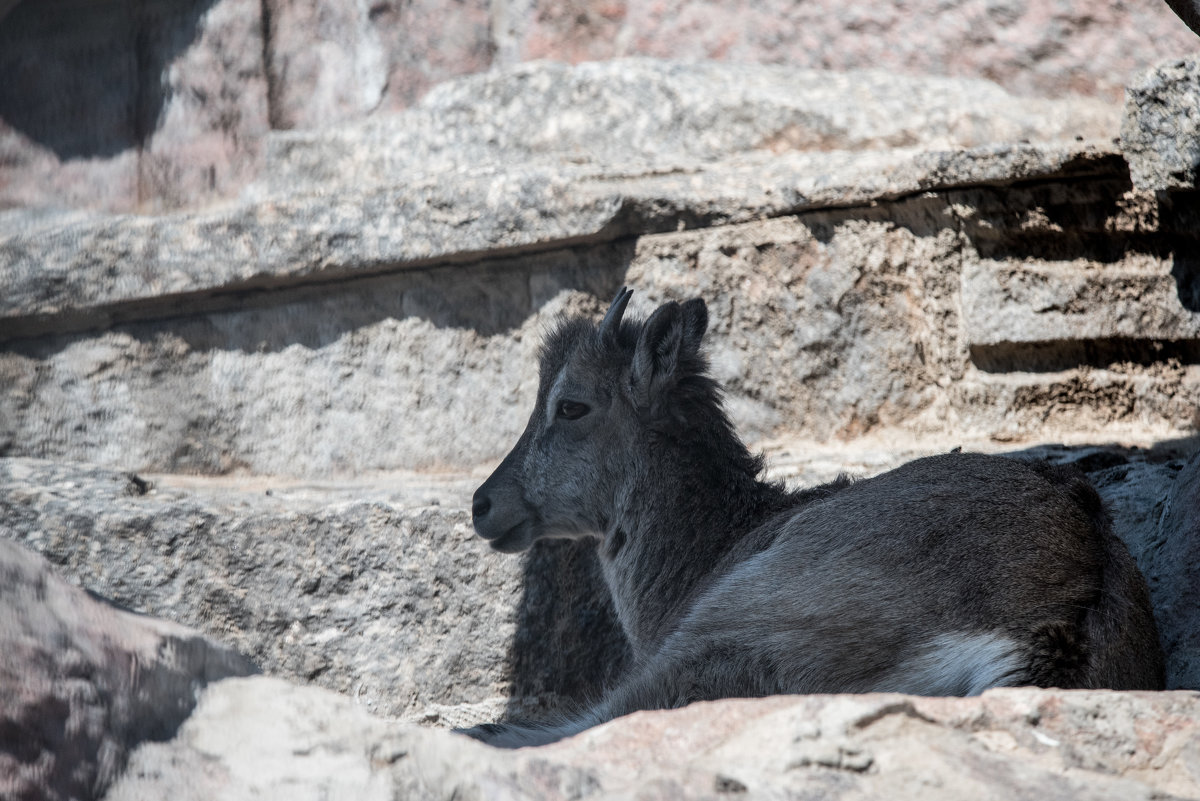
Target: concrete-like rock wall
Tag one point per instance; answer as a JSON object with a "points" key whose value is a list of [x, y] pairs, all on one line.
{"points": [[378, 305], [130, 106], [380, 589], [125, 105]]}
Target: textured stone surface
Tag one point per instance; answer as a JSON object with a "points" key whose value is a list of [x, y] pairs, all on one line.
{"points": [[359, 594], [1160, 134], [166, 104], [94, 270], [1032, 48], [545, 155], [82, 682], [1051, 301], [628, 113], [254, 738], [333, 60], [830, 322]]}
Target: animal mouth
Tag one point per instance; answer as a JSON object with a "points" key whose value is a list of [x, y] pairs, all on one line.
{"points": [[514, 540]]}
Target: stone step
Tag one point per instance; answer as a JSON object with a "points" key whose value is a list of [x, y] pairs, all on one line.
{"points": [[630, 114], [90, 271], [828, 322], [540, 156], [1007, 743], [389, 318]]}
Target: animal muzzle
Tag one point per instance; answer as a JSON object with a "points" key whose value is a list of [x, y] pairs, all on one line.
{"points": [[502, 518]]}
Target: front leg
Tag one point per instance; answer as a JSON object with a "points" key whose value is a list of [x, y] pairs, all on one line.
{"points": [[675, 678], [522, 735]]}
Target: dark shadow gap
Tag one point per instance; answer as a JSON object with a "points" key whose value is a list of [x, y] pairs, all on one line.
{"points": [[1186, 272], [488, 297], [1054, 356], [84, 79]]}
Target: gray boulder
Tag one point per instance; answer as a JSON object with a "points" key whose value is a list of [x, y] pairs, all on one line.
{"points": [[1175, 589], [185, 123], [876, 265], [631, 114], [261, 738], [380, 591], [1160, 133], [82, 682]]}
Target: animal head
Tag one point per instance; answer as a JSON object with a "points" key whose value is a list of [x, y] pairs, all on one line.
{"points": [[609, 396]]}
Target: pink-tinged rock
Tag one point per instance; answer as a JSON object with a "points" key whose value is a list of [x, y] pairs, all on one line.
{"points": [[326, 60], [206, 142], [262, 738], [332, 60], [1045, 47], [431, 41], [82, 682]]}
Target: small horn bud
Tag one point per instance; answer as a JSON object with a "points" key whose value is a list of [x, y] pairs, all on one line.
{"points": [[612, 319]]}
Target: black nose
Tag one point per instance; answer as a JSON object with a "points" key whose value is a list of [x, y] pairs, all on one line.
{"points": [[480, 506]]}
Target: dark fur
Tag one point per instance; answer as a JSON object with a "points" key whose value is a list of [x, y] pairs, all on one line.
{"points": [[729, 585]]}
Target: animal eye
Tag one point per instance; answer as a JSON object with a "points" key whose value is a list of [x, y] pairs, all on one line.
{"points": [[572, 410]]}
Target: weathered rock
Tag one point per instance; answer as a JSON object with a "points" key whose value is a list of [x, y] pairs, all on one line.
{"points": [[82, 682], [1030, 48], [361, 594], [1178, 581], [331, 60], [1156, 506], [254, 738], [160, 106], [390, 310], [1085, 277], [544, 156], [270, 739], [72, 272], [633, 113], [1160, 134], [378, 590], [378, 377], [832, 321]]}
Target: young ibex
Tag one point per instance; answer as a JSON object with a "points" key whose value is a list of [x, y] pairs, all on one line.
{"points": [[945, 576]]}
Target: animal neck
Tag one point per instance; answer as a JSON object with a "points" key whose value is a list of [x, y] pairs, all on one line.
{"points": [[676, 523]]}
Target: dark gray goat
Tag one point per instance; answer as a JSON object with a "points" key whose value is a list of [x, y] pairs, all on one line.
{"points": [[945, 576]]}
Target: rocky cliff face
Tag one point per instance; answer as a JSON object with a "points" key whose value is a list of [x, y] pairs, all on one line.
{"points": [[128, 106], [882, 264], [265, 420]]}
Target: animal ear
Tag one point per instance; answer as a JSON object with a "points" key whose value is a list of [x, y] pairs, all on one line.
{"points": [[669, 342]]}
